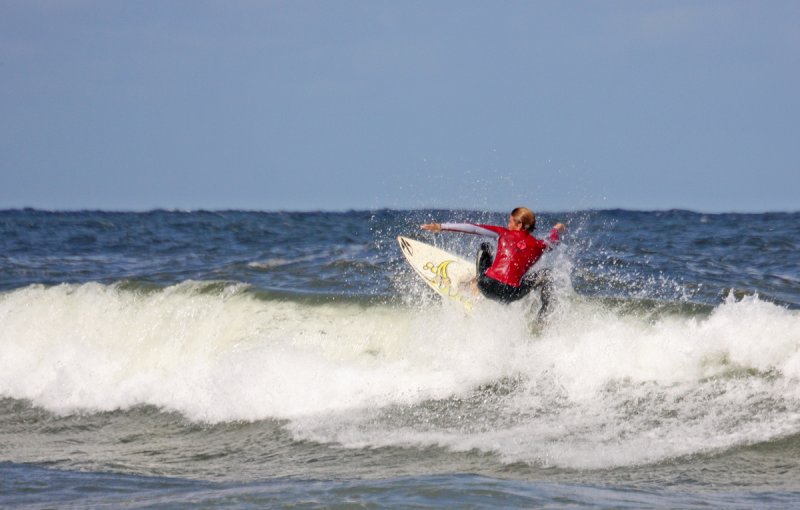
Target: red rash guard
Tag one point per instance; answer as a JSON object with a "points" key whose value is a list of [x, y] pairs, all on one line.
{"points": [[517, 250]]}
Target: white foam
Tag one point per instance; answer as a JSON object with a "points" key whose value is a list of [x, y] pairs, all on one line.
{"points": [[595, 388], [601, 389]]}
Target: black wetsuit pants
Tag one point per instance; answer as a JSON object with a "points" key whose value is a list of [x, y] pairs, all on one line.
{"points": [[504, 293]]}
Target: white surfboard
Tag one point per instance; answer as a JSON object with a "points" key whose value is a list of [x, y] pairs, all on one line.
{"points": [[449, 275]]}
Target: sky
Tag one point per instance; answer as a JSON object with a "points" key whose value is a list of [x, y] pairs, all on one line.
{"points": [[338, 105]]}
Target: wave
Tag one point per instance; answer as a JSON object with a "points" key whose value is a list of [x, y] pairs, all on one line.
{"points": [[601, 384]]}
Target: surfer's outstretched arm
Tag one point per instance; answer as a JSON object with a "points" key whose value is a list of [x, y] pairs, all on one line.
{"points": [[467, 228]]}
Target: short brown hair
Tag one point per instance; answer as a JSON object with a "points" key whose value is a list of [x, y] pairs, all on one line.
{"points": [[526, 217]]}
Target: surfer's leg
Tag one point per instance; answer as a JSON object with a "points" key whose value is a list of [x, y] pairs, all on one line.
{"points": [[473, 287], [541, 280], [484, 259], [493, 289], [498, 291]]}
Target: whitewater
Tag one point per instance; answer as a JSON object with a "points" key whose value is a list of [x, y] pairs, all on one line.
{"points": [[216, 353]]}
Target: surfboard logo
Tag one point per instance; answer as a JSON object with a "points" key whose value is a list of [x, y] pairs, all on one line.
{"points": [[444, 272], [444, 283], [406, 246], [439, 273]]}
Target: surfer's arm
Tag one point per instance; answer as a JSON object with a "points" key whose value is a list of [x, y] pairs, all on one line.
{"points": [[555, 235], [466, 228]]}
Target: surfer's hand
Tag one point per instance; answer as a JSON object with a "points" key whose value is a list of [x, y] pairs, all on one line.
{"points": [[433, 227]]}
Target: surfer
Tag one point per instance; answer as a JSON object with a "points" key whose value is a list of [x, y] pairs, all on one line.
{"points": [[503, 277]]}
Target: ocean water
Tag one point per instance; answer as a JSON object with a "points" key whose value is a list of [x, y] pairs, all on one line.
{"points": [[262, 359]]}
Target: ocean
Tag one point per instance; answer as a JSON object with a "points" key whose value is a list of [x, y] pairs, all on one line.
{"points": [[241, 359]]}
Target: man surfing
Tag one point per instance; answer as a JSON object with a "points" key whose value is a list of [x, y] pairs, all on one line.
{"points": [[503, 277]]}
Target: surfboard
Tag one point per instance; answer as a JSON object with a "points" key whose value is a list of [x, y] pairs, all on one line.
{"points": [[447, 274]]}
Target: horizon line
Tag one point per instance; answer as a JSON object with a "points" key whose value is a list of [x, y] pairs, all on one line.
{"points": [[375, 209]]}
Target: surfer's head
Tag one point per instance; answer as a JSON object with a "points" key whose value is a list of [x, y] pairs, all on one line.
{"points": [[524, 217]]}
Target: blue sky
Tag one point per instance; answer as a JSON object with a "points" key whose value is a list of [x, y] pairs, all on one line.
{"points": [[332, 105]]}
